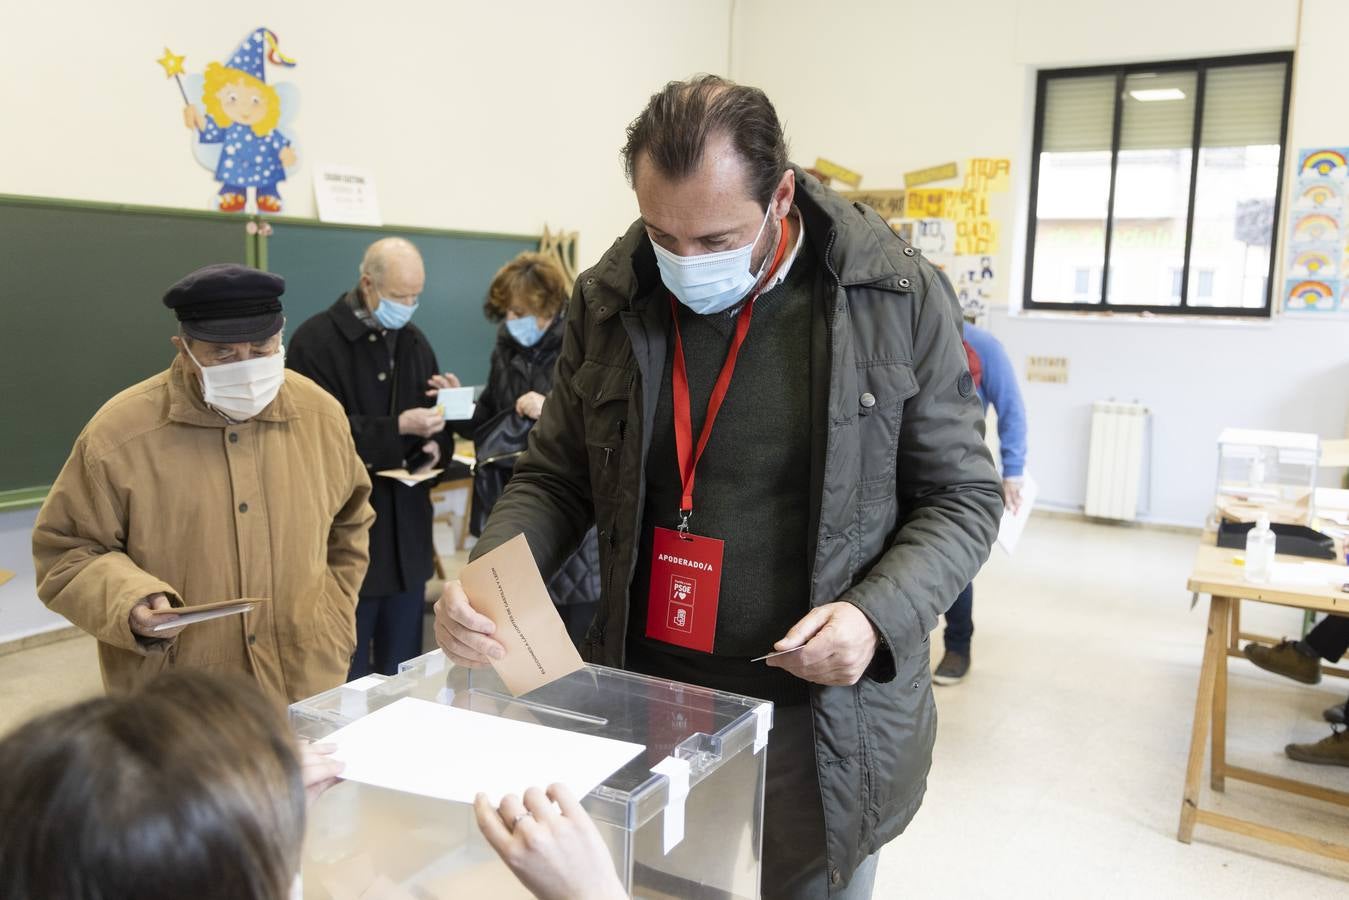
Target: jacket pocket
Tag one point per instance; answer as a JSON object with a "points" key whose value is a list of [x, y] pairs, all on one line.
{"points": [[902, 728], [605, 393], [883, 388]]}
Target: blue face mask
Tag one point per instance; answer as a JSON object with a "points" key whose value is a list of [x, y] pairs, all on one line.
{"points": [[525, 330], [711, 282], [394, 316]]}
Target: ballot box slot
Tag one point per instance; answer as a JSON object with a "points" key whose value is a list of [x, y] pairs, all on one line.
{"points": [[507, 701]]}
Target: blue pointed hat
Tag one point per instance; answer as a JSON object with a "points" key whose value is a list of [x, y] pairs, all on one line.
{"points": [[249, 57]]}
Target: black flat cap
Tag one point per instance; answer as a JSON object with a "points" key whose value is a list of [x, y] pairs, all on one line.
{"points": [[227, 303]]}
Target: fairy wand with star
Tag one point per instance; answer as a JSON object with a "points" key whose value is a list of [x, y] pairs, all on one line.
{"points": [[173, 68]]}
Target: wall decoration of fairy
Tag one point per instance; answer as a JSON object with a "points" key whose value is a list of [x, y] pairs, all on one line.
{"points": [[240, 123]]}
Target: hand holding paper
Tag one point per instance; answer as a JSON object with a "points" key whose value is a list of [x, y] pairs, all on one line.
{"points": [[837, 642], [500, 612], [1015, 516], [456, 403]]}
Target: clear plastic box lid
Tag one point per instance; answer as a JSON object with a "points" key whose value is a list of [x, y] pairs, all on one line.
{"points": [[704, 727]]}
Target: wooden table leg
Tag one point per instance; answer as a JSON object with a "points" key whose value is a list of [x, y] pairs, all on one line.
{"points": [[1234, 636], [1218, 759], [1214, 649]]}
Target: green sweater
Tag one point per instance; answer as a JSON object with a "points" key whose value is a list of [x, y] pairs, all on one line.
{"points": [[752, 490]]}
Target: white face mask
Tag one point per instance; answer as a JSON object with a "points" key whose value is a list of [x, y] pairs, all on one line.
{"points": [[712, 282], [242, 389]]}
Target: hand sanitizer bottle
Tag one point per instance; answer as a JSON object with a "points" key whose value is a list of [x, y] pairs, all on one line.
{"points": [[1260, 550]]}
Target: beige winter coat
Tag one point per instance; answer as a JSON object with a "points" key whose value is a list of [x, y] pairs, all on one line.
{"points": [[161, 493]]}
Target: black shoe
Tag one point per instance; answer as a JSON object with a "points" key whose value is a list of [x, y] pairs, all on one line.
{"points": [[1334, 715], [952, 669]]}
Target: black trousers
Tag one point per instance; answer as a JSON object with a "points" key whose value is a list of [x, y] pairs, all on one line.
{"points": [[1330, 637]]}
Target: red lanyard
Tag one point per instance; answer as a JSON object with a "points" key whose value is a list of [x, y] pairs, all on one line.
{"points": [[688, 461]]}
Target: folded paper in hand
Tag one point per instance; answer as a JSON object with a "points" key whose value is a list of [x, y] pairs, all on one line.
{"points": [[190, 615], [505, 586], [411, 479]]}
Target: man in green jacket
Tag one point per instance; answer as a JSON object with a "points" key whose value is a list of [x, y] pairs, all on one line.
{"points": [[764, 405]]}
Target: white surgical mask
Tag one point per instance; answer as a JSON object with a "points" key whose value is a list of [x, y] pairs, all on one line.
{"points": [[712, 282], [242, 389]]}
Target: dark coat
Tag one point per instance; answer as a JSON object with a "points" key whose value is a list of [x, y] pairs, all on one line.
{"points": [[905, 501], [499, 432], [352, 362]]}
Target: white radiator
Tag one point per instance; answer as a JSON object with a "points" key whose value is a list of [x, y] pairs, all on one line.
{"points": [[1118, 458]]}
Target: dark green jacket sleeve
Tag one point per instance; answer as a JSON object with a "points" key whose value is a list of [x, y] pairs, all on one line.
{"points": [[950, 499], [548, 497]]}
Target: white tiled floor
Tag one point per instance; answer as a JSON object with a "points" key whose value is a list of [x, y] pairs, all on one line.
{"points": [[1059, 762]]}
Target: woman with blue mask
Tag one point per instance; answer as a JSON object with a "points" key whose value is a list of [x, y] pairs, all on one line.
{"points": [[527, 297]]}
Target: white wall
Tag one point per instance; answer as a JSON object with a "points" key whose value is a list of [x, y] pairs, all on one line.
{"points": [[480, 116], [1195, 378], [904, 85]]}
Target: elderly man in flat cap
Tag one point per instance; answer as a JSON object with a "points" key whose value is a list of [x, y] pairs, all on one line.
{"points": [[225, 477]]}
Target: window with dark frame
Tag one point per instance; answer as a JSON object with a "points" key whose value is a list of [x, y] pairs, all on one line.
{"points": [[1156, 187]]}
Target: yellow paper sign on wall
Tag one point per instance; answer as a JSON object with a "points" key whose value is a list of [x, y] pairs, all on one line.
{"points": [[991, 175], [926, 176], [837, 172], [976, 237], [890, 204], [928, 203]]}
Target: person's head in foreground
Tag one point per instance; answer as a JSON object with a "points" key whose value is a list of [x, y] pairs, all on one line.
{"points": [[194, 788], [190, 788]]}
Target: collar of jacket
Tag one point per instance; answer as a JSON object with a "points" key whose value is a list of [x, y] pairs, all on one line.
{"points": [[186, 404], [853, 241], [344, 316]]}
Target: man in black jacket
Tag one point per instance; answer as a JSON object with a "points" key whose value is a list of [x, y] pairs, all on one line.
{"points": [[845, 494], [381, 368]]}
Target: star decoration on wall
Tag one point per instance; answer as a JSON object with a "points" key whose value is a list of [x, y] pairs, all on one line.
{"points": [[172, 63]]}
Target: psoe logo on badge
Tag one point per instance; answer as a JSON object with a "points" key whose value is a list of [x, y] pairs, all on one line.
{"points": [[680, 616]]}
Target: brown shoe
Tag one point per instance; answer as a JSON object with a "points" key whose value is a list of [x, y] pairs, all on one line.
{"points": [[1331, 751], [1286, 660]]}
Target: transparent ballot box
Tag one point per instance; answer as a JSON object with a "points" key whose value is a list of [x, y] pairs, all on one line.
{"points": [[1267, 471], [705, 803]]}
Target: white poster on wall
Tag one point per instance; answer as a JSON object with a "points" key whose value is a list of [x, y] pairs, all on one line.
{"points": [[346, 196]]}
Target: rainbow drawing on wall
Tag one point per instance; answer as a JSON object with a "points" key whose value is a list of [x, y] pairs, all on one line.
{"points": [[1320, 195], [1325, 163], [1311, 295], [1314, 264], [1316, 227], [1317, 246]]}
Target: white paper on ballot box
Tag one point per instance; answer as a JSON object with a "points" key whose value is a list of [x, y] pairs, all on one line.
{"points": [[449, 753]]}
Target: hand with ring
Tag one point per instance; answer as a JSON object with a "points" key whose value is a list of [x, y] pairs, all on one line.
{"points": [[551, 845]]}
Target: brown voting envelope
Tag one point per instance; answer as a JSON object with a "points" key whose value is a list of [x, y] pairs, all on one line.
{"points": [[506, 587]]}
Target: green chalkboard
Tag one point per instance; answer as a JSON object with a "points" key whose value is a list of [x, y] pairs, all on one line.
{"points": [[320, 262], [81, 286]]}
